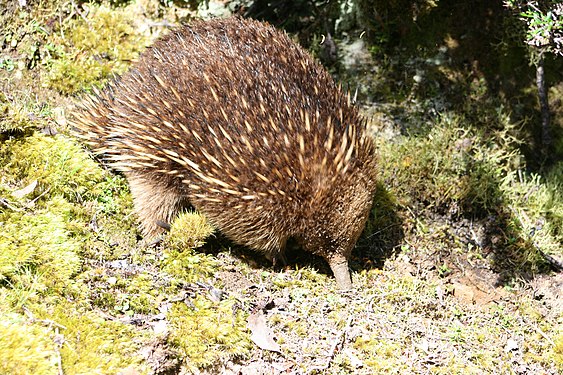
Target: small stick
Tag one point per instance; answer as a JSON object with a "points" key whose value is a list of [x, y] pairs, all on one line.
{"points": [[340, 339]]}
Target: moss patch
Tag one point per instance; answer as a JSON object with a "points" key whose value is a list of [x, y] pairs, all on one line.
{"points": [[90, 49], [38, 250], [209, 333], [187, 233], [94, 344], [26, 348], [57, 163]]}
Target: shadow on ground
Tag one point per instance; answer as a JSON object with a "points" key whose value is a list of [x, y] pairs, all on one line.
{"points": [[381, 237]]}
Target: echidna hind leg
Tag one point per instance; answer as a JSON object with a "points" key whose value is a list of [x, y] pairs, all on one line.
{"points": [[155, 204], [277, 258]]}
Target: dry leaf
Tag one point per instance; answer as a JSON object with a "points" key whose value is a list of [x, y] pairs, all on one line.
{"points": [[129, 371], [261, 333], [354, 360], [25, 191]]}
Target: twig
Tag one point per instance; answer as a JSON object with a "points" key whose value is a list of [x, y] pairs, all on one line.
{"points": [[4, 202], [59, 338], [80, 13], [61, 25], [32, 202], [542, 333], [553, 262], [47, 322], [162, 24], [59, 341], [382, 230], [337, 341]]}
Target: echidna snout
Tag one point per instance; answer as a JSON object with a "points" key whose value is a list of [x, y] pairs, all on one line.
{"points": [[232, 117]]}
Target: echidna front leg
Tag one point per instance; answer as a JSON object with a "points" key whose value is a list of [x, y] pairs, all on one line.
{"points": [[155, 202]]}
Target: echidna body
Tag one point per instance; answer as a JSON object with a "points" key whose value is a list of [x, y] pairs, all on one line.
{"points": [[237, 120]]}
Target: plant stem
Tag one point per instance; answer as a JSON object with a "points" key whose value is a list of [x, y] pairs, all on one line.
{"points": [[544, 105]]}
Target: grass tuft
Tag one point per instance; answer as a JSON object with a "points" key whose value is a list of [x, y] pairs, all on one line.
{"points": [[187, 233], [208, 333]]}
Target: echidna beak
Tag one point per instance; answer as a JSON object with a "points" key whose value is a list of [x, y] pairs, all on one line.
{"points": [[339, 266]]}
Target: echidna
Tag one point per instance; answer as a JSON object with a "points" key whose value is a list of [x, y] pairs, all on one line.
{"points": [[232, 117]]}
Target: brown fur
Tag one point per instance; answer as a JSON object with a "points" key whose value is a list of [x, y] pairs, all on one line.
{"points": [[236, 119]]}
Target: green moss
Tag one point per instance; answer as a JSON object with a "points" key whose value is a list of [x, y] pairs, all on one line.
{"points": [[58, 164], [123, 293], [456, 171], [112, 232], [13, 115], [39, 243], [380, 354], [537, 206], [26, 348], [91, 343], [143, 296], [114, 199], [207, 333], [90, 50], [44, 234], [446, 168], [189, 265], [188, 232], [557, 354], [39, 238], [383, 223]]}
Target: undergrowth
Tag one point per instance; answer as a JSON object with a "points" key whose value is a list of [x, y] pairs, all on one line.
{"points": [[80, 292], [457, 171]]}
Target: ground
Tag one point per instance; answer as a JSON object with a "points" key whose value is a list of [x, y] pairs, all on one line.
{"points": [[458, 269]]}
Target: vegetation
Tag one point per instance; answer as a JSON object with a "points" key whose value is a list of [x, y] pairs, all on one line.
{"points": [[544, 34], [458, 270]]}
